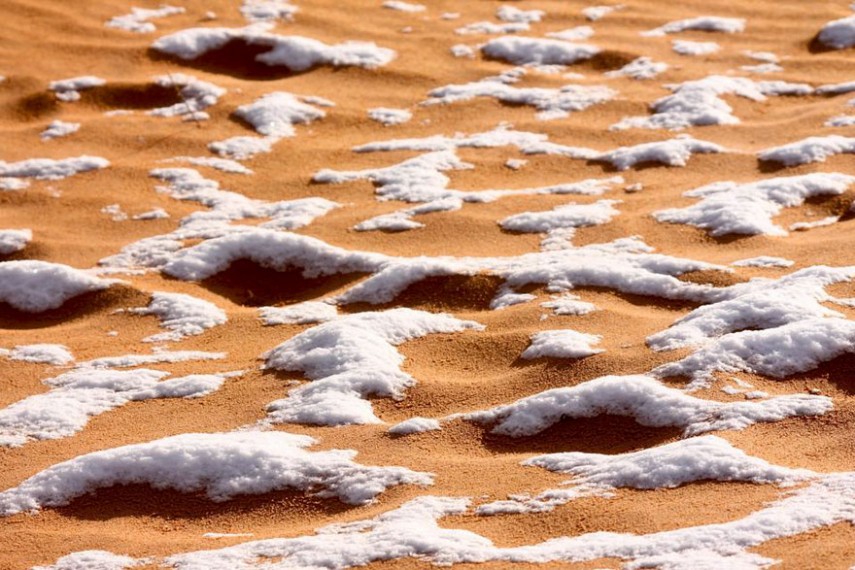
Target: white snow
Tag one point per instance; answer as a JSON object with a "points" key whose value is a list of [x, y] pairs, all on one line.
{"points": [[50, 169], [138, 20], [57, 129], [349, 359], [158, 356], [308, 312], [810, 149], [404, 6], [492, 28], [275, 114], [699, 102], [402, 220], [222, 465], [462, 50], [196, 95], [36, 286], [268, 10], [688, 47], [764, 261], [762, 68], [594, 13], [389, 116], [577, 34], [838, 34], [566, 216], [69, 89], [836, 88], [414, 425], [732, 208], [296, 53], [562, 344], [522, 50], [221, 164], [820, 223], [841, 121], [184, 315], [78, 395], [92, 560], [649, 402], [14, 240], [55, 354], [569, 304], [639, 68], [153, 214], [242, 147], [705, 23], [673, 152], [513, 14]]}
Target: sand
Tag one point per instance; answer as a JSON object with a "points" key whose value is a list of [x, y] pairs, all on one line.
{"points": [[43, 41]]}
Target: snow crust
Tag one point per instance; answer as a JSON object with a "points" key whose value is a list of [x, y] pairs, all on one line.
{"points": [[57, 129], [688, 47], [14, 240], [732, 208], [196, 96], [184, 315], [763, 261], [37, 286], [138, 20], [55, 354], [522, 50], [349, 359], [76, 396], [594, 13], [404, 6], [275, 114], [389, 116], [649, 402], [673, 152], [838, 34], [508, 13], [242, 147], [810, 149], [704, 23], [562, 344], [50, 169], [640, 68], [308, 312], [68, 90], [222, 465], [297, 53], [567, 216], [414, 425], [268, 10]]}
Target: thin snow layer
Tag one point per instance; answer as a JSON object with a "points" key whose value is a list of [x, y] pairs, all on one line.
{"points": [[92, 560], [188, 185], [58, 129], [55, 354], [492, 28], [594, 13], [836, 88], [688, 47], [78, 395], [389, 116], [37, 286], [196, 96], [296, 53], [514, 14], [567, 216], [69, 89], [184, 315], [138, 20], [412, 530], [14, 240], [778, 352], [732, 208], [758, 305], [841, 121], [309, 312], [267, 10], [645, 399], [764, 261], [158, 356], [414, 425], [551, 103], [838, 34], [404, 6], [699, 102], [402, 220], [639, 68], [275, 114], [562, 344], [704, 23], [704, 458], [242, 147], [673, 152], [545, 51], [221, 164], [569, 304], [810, 149], [222, 465], [349, 359], [49, 169], [577, 34]]}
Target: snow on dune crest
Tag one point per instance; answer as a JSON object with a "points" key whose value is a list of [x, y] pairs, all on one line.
{"points": [[55, 354], [704, 23], [673, 152], [838, 34], [138, 20], [37, 286], [222, 465], [296, 53], [349, 359], [14, 240], [275, 114], [50, 169], [522, 50], [562, 344], [811, 149], [731, 208], [645, 399], [184, 315]]}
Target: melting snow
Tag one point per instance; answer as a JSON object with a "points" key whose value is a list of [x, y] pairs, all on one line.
{"points": [[184, 315], [14, 240], [55, 354], [705, 23], [138, 20], [562, 344], [37, 286], [57, 129], [811, 149]]}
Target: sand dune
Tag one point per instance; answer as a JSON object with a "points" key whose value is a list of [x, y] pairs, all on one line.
{"points": [[227, 225]]}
